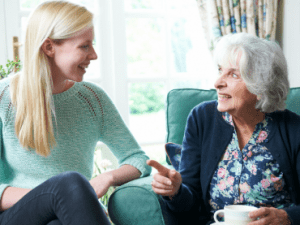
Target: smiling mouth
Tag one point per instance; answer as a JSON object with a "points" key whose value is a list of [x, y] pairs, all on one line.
{"points": [[224, 96], [83, 67]]}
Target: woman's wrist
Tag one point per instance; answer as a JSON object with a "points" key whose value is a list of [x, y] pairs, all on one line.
{"points": [[105, 178], [123, 175], [109, 178], [171, 197]]}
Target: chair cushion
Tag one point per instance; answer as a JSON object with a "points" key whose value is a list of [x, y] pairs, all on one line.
{"points": [[135, 203], [293, 100], [179, 104], [173, 152]]}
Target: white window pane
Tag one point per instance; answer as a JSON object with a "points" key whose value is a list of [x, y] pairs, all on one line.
{"points": [[143, 4], [181, 4], [186, 84], [156, 152], [190, 56], [30, 4], [181, 44], [89, 4], [145, 47], [147, 114], [86, 3]]}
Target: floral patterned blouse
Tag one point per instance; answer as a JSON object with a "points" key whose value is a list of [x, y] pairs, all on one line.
{"points": [[251, 176]]}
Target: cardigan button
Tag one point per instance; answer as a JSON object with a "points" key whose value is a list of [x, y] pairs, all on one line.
{"points": [[278, 155], [290, 188]]}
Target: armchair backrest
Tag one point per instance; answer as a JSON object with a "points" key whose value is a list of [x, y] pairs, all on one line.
{"points": [[181, 101]]}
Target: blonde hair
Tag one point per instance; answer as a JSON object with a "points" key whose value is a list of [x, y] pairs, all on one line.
{"points": [[31, 89]]}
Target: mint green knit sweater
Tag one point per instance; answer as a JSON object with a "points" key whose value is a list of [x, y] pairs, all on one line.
{"points": [[85, 115]]}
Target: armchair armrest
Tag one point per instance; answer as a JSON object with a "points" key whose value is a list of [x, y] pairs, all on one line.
{"points": [[135, 203]]}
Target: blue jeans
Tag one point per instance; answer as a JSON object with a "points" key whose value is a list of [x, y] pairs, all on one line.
{"points": [[67, 198]]}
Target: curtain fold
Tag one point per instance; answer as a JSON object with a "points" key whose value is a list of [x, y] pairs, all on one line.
{"points": [[222, 17]]}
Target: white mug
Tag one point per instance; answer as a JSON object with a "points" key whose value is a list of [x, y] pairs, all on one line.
{"points": [[235, 214]]}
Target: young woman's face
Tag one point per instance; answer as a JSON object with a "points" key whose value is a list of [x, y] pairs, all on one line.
{"points": [[72, 56]]}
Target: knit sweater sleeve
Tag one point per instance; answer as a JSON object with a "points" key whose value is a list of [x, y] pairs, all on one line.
{"points": [[116, 135], [3, 185]]}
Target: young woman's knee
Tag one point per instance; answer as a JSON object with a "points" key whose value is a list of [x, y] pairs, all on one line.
{"points": [[72, 183], [71, 177]]}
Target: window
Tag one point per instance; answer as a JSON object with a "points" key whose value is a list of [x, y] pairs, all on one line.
{"points": [[166, 49], [145, 48]]}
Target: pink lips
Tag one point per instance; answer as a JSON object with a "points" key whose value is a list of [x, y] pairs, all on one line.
{"points": [[83, 66]]}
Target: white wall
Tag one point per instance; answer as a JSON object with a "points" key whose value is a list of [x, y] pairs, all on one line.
{"points": [[7, 31], [3, 47], [288, 35]]}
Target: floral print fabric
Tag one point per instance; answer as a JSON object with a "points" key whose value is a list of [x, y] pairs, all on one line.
{"points": [[251, 176], [221, 17]]}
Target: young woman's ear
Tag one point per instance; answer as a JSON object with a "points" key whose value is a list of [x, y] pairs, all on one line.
{"points": [[48, 47]]}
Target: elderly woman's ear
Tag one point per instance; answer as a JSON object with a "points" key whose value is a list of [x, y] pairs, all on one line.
{"points": [[258, 97]]}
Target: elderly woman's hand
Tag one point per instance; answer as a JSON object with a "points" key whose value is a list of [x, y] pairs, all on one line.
{"points": [[269, 216], [166, 182]]}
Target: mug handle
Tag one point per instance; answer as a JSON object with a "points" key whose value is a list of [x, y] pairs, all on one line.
{"points": [[216, 213]]}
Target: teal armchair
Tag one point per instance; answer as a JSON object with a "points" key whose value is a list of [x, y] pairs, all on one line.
{"points": [[135, 203]]}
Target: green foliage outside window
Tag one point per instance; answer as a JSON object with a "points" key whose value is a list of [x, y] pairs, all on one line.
{"points": [[145, 98]]}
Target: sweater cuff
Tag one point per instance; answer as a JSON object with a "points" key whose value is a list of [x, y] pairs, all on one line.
{"points": [[140, 164], [293, 214], [173, 198], [181, 201]]}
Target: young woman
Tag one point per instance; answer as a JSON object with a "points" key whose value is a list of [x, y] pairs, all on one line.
{"points": [[50, 123]]}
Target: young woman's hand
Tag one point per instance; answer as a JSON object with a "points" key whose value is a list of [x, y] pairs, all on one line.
{"points": [[270, 215], [166, 182], [101, 184]]}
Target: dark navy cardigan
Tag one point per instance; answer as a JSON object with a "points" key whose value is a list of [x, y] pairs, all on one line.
{"points": [[206, 138]]}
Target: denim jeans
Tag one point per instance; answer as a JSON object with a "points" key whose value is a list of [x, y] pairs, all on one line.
{"points": [[67, 198]]}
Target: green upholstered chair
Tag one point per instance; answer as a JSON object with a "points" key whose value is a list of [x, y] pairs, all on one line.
{"points": [[135, 203]]}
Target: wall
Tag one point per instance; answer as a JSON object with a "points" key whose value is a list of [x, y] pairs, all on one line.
{"points": [[3, 47], [7, 31], [288, 36]]}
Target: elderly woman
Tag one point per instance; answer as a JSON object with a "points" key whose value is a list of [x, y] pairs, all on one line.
{"points": [[243, 148]]}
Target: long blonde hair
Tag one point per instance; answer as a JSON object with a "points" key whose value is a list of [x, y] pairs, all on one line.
{"points": [[31, 89]]}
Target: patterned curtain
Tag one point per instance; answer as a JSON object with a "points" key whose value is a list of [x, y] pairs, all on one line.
{"points": [[221, 17]]}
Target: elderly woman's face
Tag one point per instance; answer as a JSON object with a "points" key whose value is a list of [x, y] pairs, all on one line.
{"points": [[233, 95]]}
